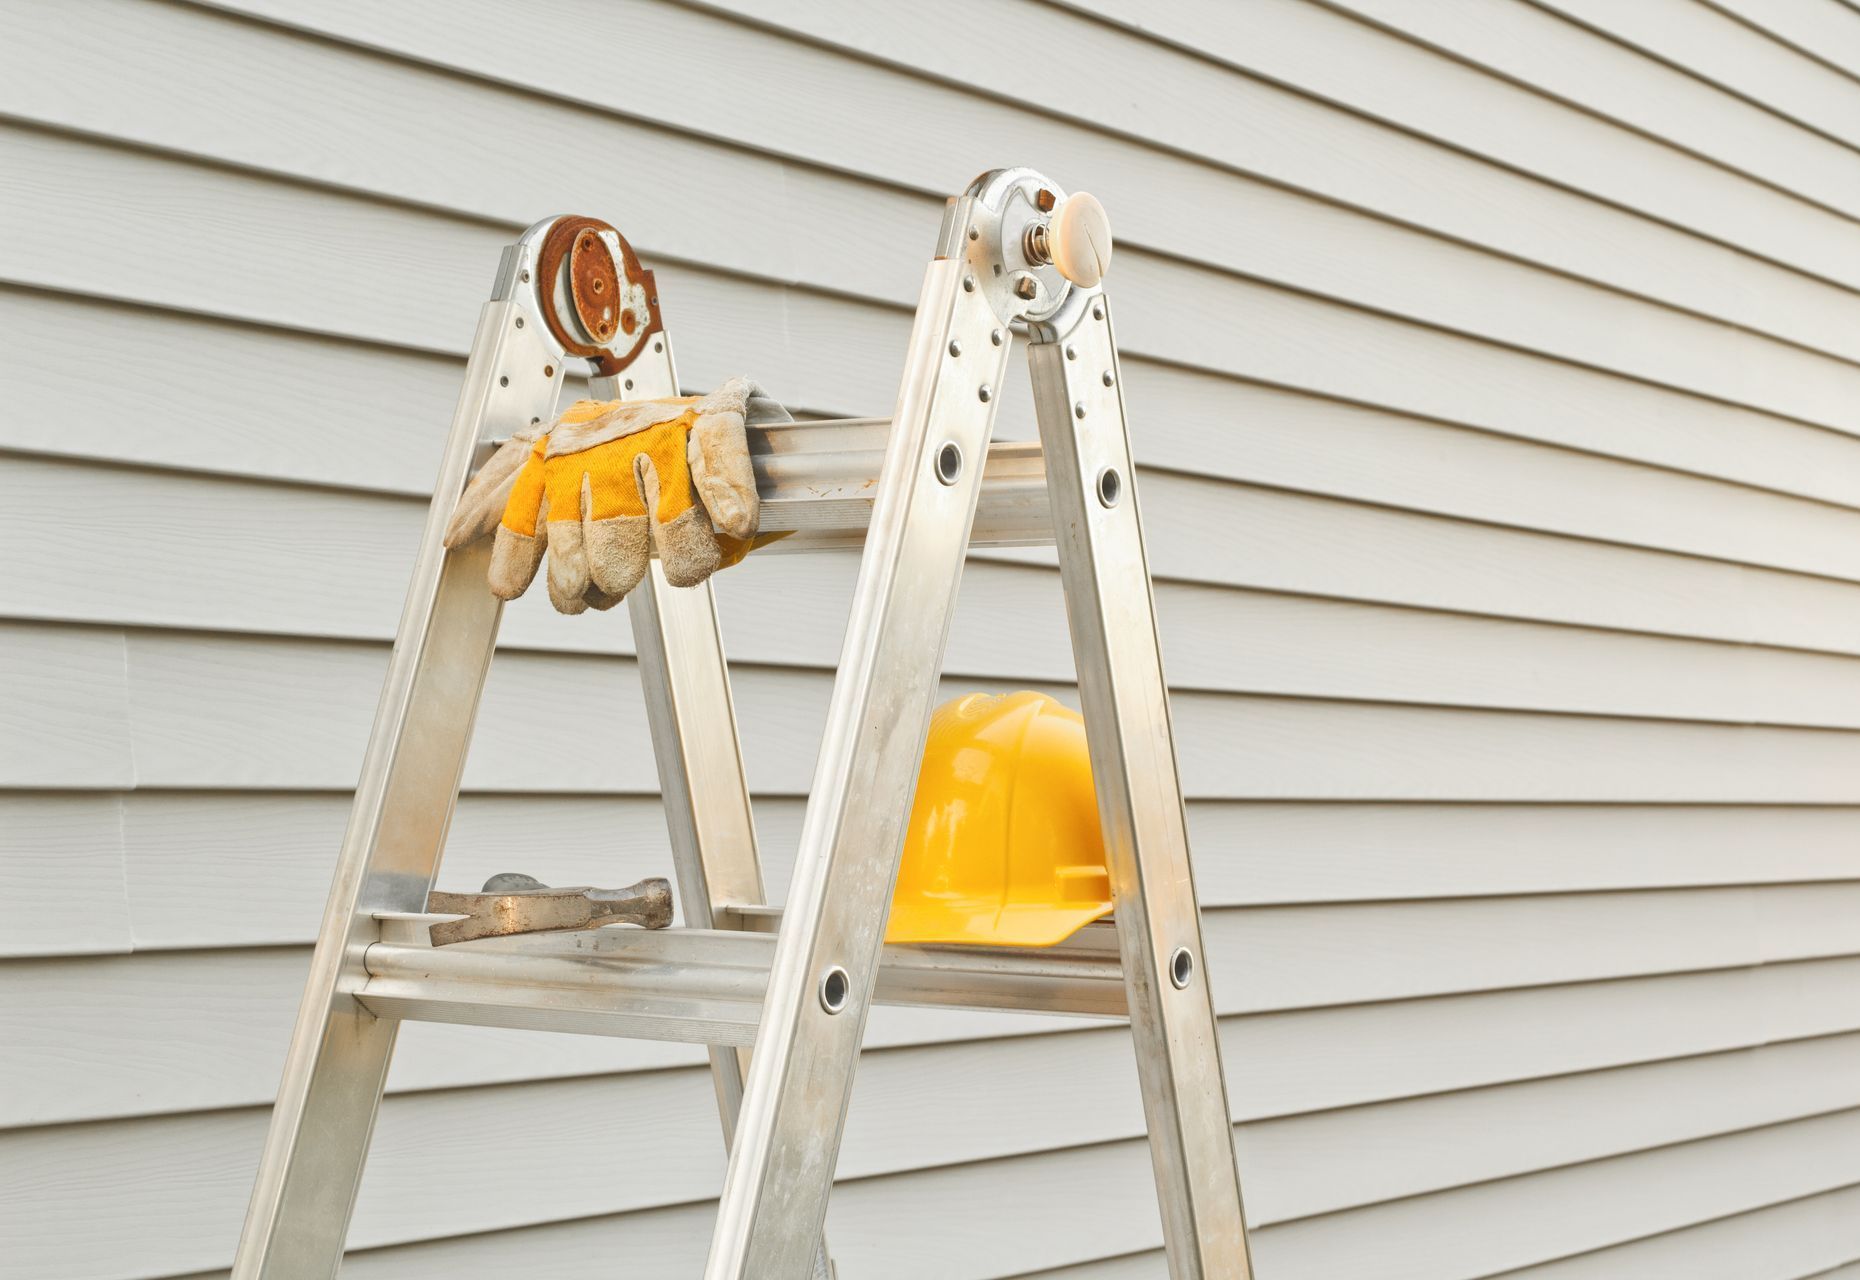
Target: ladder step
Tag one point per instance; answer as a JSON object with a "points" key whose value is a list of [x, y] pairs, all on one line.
{"points": [[818, 479], [700, 986]]}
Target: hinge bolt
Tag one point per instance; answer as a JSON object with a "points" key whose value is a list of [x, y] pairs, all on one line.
{"points": [[1037, 244]]}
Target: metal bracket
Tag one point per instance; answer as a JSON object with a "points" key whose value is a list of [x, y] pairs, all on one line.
{"points": [[580, 283], [1005, 227]]}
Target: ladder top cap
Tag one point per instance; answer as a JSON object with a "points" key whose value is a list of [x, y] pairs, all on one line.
{"points": [[1081, 240]]}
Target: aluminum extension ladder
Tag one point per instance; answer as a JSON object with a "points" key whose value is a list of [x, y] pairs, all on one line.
{"points": [[794, 984]]}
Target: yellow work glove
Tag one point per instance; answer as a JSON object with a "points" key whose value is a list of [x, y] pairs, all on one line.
{"points": [[610, 482]]}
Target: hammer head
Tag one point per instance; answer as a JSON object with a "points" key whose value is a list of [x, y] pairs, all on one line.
{"points": [[515, 903]]}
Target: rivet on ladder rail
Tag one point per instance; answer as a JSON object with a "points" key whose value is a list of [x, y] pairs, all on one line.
{"points": [[949, 461], [1181, 968], [835, 986]]}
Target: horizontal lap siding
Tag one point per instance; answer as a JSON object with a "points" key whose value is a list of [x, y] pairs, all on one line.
{"points": [[1713, 45], [1495, 382]]}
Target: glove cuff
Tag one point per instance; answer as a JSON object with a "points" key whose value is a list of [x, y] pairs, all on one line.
{"points": [[481, 506], [583, 427]]}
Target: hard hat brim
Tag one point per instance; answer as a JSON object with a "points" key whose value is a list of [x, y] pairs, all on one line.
{"points": [[988, 923]]}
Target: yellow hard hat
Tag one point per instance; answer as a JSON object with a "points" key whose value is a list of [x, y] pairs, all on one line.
{"points": [[1003, 846]]}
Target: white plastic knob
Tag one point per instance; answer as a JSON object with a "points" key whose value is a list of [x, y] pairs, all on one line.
{"points": [[1080, 238]]}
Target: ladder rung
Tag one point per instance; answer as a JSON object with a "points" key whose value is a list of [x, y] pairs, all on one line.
{"points": [[818, 479], [703, 986]]}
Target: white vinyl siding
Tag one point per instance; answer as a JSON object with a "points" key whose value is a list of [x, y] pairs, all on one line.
{"points": [[1494, 368]]}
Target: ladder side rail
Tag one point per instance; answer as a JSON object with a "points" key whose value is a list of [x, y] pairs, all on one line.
{"points": [[712, 834], [693, 720], [692, 717], [1110, 607], [690, 711], [297, 1220], [780, 1173]]}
